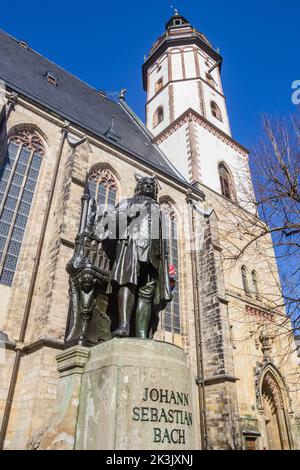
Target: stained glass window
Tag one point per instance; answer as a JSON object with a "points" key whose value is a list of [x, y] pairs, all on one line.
{"points": [[18, 177], [103, 187], [172, 312]]}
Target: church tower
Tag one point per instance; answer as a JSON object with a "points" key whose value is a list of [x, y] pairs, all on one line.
{"points": [[186, 109]]}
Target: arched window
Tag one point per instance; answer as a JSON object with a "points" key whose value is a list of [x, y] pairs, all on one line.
{"points": [[245, 279], [215, 111], [103, 187], [227, 187], [18, 177], [171, 320], [159, 84], [158, 116], [255, 284]]}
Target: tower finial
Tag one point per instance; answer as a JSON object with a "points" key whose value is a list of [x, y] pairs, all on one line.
{"points": [[175, 10]]}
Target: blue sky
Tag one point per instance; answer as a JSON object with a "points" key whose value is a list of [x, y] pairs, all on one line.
{"points": [[104, 44]]}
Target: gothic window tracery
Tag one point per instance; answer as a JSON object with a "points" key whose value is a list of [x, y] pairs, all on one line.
{"points": [[171, 320], [18, 178], [103, 187]]}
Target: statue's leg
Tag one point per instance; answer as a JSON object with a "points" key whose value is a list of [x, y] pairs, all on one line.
{"points": [[144, 309], [126, 300]]}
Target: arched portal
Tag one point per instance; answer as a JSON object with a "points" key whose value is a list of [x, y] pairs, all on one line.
{"points": [[274, 414]]}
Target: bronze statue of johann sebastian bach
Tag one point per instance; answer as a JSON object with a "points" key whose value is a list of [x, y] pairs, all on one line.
{"points": [[122, 254], [140, 275]]}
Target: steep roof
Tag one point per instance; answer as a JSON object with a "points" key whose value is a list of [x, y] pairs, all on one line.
{"points": [[25, 71]]}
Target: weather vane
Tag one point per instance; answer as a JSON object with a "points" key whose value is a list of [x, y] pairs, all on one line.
{"points": [[175, 9]]}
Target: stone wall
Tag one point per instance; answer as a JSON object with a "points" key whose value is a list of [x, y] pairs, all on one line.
{"points": [[218, 374], [34, 397]]}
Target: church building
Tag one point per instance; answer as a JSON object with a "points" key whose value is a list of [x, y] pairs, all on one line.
{"points": [[55, 132]]}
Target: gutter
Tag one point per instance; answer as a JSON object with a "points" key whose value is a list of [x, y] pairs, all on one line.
{"points": [[217, 64]]}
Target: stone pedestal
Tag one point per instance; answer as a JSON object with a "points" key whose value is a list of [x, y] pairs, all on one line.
{"points": [[131, 394], [60, 432]]}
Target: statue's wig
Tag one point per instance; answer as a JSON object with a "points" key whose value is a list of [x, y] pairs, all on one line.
{"points": [[140, 182]]}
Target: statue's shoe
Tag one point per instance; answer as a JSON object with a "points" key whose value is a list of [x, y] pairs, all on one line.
{"points": [[141, 335], [121, 332]]}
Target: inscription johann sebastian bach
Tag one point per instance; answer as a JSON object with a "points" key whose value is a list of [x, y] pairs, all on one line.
{"points": [[178, 418]]}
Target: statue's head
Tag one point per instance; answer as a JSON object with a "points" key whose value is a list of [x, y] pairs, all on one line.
{"points": [[146, 186], [87, 282]]}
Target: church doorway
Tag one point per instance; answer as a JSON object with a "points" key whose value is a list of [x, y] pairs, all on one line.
{"points": [[275, 416]]}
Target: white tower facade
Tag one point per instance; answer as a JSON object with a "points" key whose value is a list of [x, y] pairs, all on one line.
{"points": [[186, 110]]}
